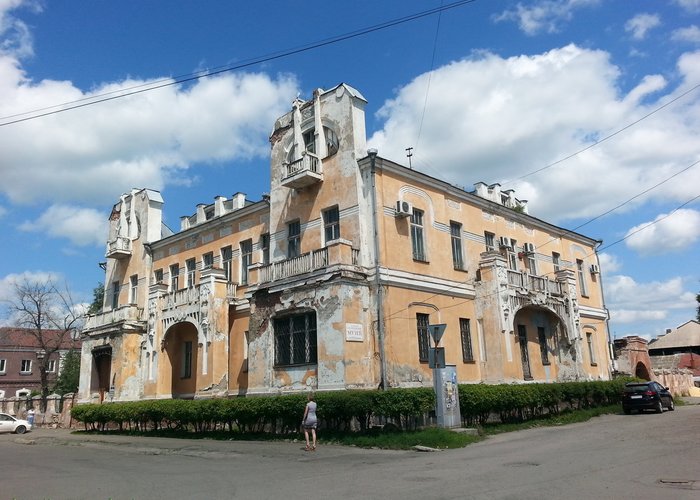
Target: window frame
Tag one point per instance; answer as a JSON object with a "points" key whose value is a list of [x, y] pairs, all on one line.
{"points": [[3, 365], [331, 224], [422, 323], [158, 276], [191, 272], [293, 239], [51, 366], [556, 261], [246, 247], [208, 260], [174, 277], [265, 248], [286, 335], [581, 272], [186, 366], [133, 289], [544, 347], [418, 235], [116, 286], [226, 259], [24, 369], [490, 241], [591, 349], [465, 334]]}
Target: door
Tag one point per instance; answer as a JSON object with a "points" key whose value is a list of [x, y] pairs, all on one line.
{"points": [[524, 355]]}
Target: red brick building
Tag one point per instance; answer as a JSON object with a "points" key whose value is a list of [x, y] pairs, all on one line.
{"points": [[21, 355]]}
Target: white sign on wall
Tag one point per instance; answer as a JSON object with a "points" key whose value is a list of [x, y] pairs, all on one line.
{"points": [[354, 333]]}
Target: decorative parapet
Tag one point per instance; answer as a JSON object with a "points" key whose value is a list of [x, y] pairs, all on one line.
{"points": [[303, 172], [129, 318], [119, 248]]}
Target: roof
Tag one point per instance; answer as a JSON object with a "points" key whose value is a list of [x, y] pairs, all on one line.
{"points": [[11, 337], [686, 335]]}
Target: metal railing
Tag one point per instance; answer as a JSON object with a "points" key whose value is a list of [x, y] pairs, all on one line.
{"points": [[533, 283], [295, 266], [308, 162]]}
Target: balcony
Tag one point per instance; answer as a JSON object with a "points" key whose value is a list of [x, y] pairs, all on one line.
{"points": [[534, 284], [303, 172], [119, 248], [125, 318]]}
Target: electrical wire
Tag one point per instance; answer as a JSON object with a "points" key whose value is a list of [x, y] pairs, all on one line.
{"points": [[158, 84]]}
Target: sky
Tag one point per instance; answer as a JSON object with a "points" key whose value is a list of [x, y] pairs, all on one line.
{"points": [[589, 109]]}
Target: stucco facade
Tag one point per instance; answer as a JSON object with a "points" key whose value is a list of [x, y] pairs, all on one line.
{"points": [[332, 280]]}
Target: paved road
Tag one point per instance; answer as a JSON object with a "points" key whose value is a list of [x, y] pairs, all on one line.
{"points": [[614, 456]]}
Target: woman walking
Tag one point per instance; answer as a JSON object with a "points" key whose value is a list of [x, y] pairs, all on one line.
{"points": [[309, 422]]}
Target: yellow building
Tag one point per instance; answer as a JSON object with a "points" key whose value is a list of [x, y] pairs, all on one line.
{"points": [[332, 281]]}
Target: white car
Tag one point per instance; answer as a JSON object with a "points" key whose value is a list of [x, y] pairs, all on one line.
{"points": [[8, 423]]}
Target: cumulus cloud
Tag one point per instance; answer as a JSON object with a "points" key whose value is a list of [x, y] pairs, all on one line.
{"points": [[690, 34], [496, 119], [82, 226], [630, 302], [8, 282], [15, 37], [640, 25], [543, 15], [609, 263], [667, 233], [691, 6]]}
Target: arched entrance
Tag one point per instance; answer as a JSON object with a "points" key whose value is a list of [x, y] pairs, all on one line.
{"points": [[539, 337], [102, 370], [641, 371], [181, 346]]}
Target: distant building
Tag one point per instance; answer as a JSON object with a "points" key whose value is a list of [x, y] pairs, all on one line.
{"points": [[678, 348], [21, 355], [334, 280]]}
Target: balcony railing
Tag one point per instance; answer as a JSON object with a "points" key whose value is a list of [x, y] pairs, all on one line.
{"points": [[305, 263], [113, 317], [182, 297], [118, 248], [535, 284], [303, 172]]}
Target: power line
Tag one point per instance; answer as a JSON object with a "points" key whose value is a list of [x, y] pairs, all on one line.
{"points": [[158, 84]]}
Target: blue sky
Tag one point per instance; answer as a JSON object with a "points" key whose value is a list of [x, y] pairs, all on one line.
{"points": [[489, 91]]}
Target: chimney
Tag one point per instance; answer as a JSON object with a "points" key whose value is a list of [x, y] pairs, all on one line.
{"points": [[219, 206]]}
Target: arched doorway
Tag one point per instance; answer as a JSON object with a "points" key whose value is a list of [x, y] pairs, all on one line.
{"points": [[641, 371], [102, 370], [181, 346], [539, 337]]}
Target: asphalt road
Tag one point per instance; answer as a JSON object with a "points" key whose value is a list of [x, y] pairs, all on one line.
{"points": [[645, 456]]}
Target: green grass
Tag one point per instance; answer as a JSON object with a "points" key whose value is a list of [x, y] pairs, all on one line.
{"points": [[390, 440]]}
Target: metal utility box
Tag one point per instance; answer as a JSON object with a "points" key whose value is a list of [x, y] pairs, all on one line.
{"points": [[447, 397]]}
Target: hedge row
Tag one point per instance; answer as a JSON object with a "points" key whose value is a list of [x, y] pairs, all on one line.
{"points": [[279, 414], [516, 403]]}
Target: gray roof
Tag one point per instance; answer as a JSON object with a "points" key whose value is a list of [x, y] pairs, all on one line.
{"points": [[688, 334]]}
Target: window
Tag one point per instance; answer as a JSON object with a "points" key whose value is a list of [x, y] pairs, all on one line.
{"points": [[208, 260], [556, 260], [133, 289], [174, 277], [417, 235], [490, 240], [591, 350], [158, 276], [51, 366], [265, 248], [331, 224], [226, 256], [531, 263], [310, 140], [581, 277], [295, 339], [191, 266], [26, 366], [544, 352], [246, 259], [512, 256], [422, 322], [186, 368], [466, 335], [293, 239], [3, 365], [115, 294], [456, 234]]}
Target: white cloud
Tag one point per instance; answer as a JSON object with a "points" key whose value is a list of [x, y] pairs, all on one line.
{"points": [[149, 139], [3, 211], [689, 5], [640, 25], [690, 34], [82, 226], [543, 15], [667, 233], [7, 283], [16, 39], [495, 119], [609, 263], [630, 302]]}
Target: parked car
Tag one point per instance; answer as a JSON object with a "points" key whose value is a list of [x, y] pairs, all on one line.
{"points": [[8, 423], [646, 396]]}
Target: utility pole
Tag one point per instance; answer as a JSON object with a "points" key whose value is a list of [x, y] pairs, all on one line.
{"points": [[409, 153]]}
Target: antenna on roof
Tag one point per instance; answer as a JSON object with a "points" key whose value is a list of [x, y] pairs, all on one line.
{"points": [[409, 153]]}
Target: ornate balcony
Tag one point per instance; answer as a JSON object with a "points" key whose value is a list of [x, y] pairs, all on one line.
{"points": [[533, 284], [119, 248], [303, 172], [125, 318]]}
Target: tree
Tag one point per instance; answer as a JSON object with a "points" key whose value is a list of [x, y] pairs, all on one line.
{"points": [[697, 298], [98, 297], [70, 373], [48, 315]]}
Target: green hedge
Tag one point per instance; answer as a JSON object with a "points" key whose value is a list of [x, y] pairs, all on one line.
{"points": [[404, 408], [519, 402]]}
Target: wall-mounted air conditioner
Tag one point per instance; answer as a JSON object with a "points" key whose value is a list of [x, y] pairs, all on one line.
{"points": [[529, 247], [403, 209], [595, 269], [504, 242]]}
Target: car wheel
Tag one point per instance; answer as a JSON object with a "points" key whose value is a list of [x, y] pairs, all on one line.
{"points": [[659, 407], [671, 406], [20, 429], [627, 411]]}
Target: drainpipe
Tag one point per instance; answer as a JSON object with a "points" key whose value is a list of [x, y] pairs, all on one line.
{"points": [[611, 359], [377, 283]]}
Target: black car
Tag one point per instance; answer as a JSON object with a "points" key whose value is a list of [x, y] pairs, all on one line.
{"points": [[646, 396]]}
